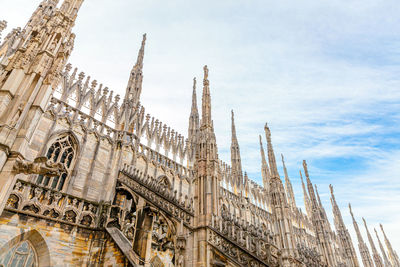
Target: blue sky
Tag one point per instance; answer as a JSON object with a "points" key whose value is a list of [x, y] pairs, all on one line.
{"points": [[324, 74]]}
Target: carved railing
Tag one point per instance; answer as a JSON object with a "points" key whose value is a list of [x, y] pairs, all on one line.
{"points": [[98, 106], [255, 190], [150, 189], [244, 244], [31, 199], [99, 103], [76, 116], [250, 245], [309, 256], [169, 164], [237, 199]]}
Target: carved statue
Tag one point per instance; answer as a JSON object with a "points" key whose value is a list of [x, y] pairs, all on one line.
{"points": [[17, 114], [10, 40], [181, 261], [40, 165], [129, 229], [205, 72]]}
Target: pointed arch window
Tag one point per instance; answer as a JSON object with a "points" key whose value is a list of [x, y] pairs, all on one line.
{"points": [[63, 150], [21, 255]]}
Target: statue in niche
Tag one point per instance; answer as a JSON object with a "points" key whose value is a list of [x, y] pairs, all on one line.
{"points": [[162, 237], [53, 45], [181, 261], [129, 228], [17, 114], [123, 212]]}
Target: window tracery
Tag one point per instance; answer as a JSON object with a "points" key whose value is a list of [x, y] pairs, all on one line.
{"points": [[21, 255], [63, 151]]}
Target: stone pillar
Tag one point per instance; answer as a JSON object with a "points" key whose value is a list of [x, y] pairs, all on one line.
{"points": [[7, 180]]}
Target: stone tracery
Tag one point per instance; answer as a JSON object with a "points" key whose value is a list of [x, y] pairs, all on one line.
{"points": [[62, 153], [137, 179]]}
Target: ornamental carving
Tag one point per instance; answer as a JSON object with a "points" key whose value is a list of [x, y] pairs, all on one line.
{"points": [[40, 165], [150, 189], [35, 200]]}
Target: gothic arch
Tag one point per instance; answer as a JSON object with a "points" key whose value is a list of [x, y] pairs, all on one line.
{"points": [[62, 147], [123, 208], [37, 242], [169, 221], [56, 134], [128, 191]]}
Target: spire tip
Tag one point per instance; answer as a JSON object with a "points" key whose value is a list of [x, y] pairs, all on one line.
{"points": [[205, 68]]}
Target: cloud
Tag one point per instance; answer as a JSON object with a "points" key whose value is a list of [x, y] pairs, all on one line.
{"points": [[324, 74]]}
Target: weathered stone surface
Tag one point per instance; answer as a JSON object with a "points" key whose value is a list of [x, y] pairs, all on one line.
{"points": [[89, 180]]}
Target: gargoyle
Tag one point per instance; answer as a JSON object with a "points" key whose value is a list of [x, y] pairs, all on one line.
{"points": [[40, 165]]}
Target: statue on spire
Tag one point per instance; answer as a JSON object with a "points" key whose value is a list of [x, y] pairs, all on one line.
{"points": [[205, 68], [206, 102]]}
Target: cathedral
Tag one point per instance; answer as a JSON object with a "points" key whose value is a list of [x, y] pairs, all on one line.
{"points": [[88, 178]]}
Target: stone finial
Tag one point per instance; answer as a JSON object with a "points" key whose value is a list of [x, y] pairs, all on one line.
{"points": [[305, 168], [391, 251], [194, 111], [351, 212], [140, 58], [289, 187], [331, 189], [385, 258], [235, 154], [134, 86], [3, 25], [205, 68], [267, 130], [206, 121], [319, 199], [68, 67], [307, 201], [271, 154], [376, 257], [264, 164], [284, 167], [234, 138]]}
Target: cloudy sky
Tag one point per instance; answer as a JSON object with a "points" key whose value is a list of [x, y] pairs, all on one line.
{"points": [[323, 74]]}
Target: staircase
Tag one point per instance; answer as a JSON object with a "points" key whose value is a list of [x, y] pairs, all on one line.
{"points": [[124, 245]]}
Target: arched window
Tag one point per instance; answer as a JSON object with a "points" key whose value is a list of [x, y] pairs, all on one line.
{"points": [[63, 151], [21, 255]]}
